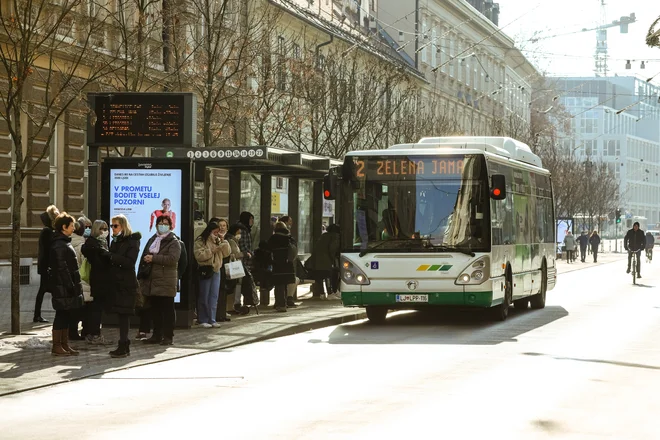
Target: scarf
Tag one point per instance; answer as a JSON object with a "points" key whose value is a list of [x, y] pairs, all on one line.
{"points": [[103, 241], [155, 246]]}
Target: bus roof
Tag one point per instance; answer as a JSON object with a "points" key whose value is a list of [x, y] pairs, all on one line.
{"points": [[500, 146]]}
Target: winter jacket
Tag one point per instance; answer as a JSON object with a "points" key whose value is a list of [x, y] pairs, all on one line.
{"points": [[64, 277], [211, 252], [234, 246], [583, 240], [570, 243], [325, 252], [163, 276], [650, 241], [182, 266], [77, 242], [594, 240], [245, 243], [634, 240], [45, 236], [101, 280], [124, 251], [284, 254]]}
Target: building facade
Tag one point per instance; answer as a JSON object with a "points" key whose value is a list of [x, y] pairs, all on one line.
{"points": [[616, 120]]}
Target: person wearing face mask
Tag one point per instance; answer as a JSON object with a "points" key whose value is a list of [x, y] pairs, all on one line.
{"points": [[233, 236], [65, 284], [96, 251], [158, 279], [81, 232], [124, 252]]}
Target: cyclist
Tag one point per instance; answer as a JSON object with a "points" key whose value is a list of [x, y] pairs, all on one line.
{"points": [[650, 242], [634, 241]]}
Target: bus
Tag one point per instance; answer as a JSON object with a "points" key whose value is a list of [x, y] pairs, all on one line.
{"points": [[447, 221]]}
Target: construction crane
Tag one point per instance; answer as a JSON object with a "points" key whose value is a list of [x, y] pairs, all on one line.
{"points": [[600, 57]]}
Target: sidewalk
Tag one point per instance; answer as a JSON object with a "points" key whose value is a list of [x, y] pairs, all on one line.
{"points": [[22, 369]]}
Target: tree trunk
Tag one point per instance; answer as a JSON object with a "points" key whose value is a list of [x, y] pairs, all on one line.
{"points": [[17, 202]]}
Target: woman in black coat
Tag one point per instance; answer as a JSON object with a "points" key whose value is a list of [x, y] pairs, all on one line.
{"points": [[96, 251], [284, 253], [64, 280], [594, 241], [124, 252]]}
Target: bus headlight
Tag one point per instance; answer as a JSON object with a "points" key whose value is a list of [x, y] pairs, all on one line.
{"points": [[351, 274], [476, 273]]}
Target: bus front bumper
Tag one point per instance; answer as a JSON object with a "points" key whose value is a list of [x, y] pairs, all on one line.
{"points": [[467, 299]]}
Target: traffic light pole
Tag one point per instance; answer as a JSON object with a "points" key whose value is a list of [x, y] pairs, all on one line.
{"points": [[616, 238]]}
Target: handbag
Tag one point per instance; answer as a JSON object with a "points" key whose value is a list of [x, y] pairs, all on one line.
{"points": [[234, 270], [205, 272], [85, 270]]}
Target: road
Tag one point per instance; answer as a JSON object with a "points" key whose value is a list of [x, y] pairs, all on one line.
{"points": [[585, 367]]}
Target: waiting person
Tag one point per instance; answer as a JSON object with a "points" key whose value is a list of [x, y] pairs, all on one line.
{"points": [[291, 289], [81, 232], [635, 241], [245, 243], [227, 286], [101, 283], [594, 241], [159, 279], [324, 261], [233, 236], [284, 254], [66, 289], [570, 245], [124, 251], [47, 218], [166, 210], [209, 252], [583, 241], [262, 268]]}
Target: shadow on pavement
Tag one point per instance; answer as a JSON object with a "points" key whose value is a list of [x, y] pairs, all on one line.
{"points": [[599, 361], [446, 327]]}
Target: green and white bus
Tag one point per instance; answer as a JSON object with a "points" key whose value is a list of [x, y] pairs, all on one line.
{"points": [[447, 221]]}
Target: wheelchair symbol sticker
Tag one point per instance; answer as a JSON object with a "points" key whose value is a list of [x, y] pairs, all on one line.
{"points": [[374, 265]]}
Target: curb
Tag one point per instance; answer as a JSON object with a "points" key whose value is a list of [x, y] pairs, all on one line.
{"points": [[294, 329]]}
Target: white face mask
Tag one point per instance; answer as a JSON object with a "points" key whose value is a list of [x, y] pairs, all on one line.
{"points": [[163, 229], [103, 235]]}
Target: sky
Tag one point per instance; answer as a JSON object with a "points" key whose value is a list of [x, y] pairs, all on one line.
{"points": [[572, 55]]}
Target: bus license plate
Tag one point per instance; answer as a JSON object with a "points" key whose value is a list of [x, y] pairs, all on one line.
{"points": [[412, 298]]}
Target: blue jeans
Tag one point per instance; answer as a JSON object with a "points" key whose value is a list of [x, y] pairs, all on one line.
{"points": [[207, 303]]}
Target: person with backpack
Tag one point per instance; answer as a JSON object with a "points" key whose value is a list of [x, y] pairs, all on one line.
{"points": [[284, 254], [324, 262]]}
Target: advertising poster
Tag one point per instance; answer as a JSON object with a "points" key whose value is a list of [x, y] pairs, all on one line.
{"points": [[142, 195]]}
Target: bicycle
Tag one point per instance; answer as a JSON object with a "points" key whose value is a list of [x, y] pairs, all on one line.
{"points": [[634, 266]]}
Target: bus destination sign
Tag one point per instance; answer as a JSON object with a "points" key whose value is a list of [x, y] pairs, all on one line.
{"points": [[400, 167], [142, 119]]}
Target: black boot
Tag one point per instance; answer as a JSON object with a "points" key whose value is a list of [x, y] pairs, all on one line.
{"points": [[290, 302], [123, 350]]}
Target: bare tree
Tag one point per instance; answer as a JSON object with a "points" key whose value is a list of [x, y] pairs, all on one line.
{"points": [[653, 35], [47, 61], [225, 39]]}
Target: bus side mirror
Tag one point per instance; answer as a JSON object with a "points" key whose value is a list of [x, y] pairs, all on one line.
{"points": [[329, 186], [497, 187]]}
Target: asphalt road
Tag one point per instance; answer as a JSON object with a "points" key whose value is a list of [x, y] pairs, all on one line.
{"points": [[585, 367]]}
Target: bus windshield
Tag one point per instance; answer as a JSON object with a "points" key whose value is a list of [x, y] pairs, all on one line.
{"points": [[418, 203]]}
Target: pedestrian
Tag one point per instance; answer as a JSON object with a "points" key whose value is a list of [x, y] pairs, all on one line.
{"points": [[227, 286], [66, 289], [583, 240], [234, 235], [635, 241], [292, 288], [209, 252], [159, 278], [324, 262], [594, 241], [284, 254], [124, 252], [101, 284], [81, 232], [262, 267], [47, 218], [649, 242], [570, 245]]}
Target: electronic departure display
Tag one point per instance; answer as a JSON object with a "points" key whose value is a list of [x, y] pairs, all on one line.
{"points": [[142, 119], [401, 167]]}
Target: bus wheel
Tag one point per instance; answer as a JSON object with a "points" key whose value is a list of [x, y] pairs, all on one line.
{"points": [[538, 301], [521, 304], [501, 312], [376, 314]]}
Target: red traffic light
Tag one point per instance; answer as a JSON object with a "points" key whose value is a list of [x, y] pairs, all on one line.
{"points": [[326, 193], [496, 192]]}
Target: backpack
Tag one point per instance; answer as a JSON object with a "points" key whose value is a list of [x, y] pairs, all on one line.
{"points": [[183, 260]]}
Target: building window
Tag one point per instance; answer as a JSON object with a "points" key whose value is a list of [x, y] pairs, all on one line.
{"points": [[424, 42], [434, 49]]}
